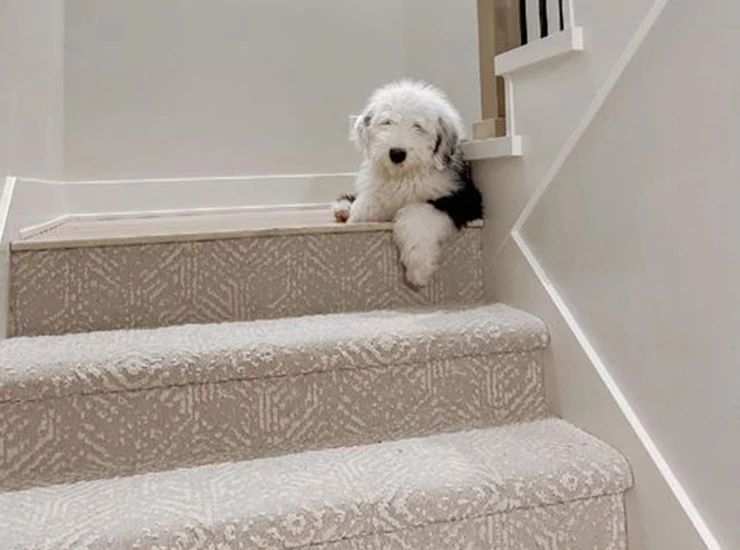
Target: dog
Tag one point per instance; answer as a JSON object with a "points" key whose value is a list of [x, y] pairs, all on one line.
{"points": [[413, 174]]}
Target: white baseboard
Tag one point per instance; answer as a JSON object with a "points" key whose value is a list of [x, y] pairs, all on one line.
{"points": [[616, 393], [38, 229], [35, 206]]}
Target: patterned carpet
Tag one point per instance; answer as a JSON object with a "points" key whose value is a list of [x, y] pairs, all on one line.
{"points": [[104, 287], [520, 483], [314, 401]]}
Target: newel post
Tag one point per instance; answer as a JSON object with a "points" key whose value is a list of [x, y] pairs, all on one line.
{"points": [[498, 31]]}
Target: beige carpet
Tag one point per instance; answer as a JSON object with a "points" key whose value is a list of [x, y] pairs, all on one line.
{"points": [[218, 387], [100, 285], [542, 481], [111, 403]]}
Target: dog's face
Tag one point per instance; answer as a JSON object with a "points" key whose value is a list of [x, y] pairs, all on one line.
{"points": [[408, 127]]}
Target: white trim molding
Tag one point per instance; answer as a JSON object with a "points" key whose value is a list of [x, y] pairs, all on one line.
{"points": [[601, 367], [501, 147], [539, 51], [629, 413], [44, 227], [39, 205], [6, 199]]}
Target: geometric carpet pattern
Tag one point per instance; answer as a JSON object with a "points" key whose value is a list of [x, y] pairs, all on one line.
{"points": [[590, 524], [542, 484], [284, 389], [87, 406], [146, 285]]}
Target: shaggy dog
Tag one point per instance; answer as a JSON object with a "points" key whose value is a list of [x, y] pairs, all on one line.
{"points": [[413, 174]]}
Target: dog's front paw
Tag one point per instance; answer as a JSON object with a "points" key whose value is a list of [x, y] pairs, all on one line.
{"points": [[419, 274], [341, 209]]}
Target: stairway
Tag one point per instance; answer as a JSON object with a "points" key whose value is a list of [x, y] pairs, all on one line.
{"points": [[314, 400], [152, 272]]}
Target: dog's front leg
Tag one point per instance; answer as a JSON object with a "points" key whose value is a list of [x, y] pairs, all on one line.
{"points": [[366, 209], [420, 231]]}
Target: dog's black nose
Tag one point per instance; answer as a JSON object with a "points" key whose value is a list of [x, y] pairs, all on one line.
{"points": [[397, 155]]}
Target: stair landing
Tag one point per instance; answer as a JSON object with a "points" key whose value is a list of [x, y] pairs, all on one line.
{"points": [[100, 230]]}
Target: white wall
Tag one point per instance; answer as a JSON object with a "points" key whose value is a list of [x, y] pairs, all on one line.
{"points": [[31, 80], [640, 232], [226, 87], [31, 103], [551, 102]]}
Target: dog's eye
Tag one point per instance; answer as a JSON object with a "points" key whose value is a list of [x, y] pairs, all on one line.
{"points": [[419, 128], [386, 123]]}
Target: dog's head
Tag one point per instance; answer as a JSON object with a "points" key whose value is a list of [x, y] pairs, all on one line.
{"points": [[409, 126]]}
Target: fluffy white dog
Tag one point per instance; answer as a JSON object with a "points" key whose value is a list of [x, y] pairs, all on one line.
{"points": [[413, 174]]}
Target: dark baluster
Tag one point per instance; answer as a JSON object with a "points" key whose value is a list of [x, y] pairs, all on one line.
{"points": [[562, 16], [523, 20], [543, 19]]}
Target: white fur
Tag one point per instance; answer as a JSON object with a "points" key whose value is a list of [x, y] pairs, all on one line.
{"points": [[420, 230], [342, 208], [418, 119]]}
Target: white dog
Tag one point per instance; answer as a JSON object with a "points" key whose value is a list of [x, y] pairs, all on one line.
{"points": [[413, 174]]}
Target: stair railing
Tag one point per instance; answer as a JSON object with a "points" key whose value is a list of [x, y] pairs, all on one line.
{"points": [[502, 26], [498, 31], [541, 18]]}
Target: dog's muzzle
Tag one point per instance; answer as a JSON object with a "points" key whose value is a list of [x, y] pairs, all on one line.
{"points": [[397, 156]]}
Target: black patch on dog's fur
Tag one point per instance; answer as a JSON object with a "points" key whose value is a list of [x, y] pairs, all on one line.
{"points": [[350, 198], [465, 204], [447, 136], [439, 142]]}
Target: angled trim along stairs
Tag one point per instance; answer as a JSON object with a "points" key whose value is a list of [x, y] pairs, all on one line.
{"points": [[690, 509]]}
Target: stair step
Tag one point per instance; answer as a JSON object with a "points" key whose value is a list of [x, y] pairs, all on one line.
{"points": [[84, 406], [145, 273], [121, 229], [501, 488]]}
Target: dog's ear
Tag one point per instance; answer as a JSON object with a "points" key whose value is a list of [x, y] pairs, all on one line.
{"points": [[446, 145], [359, 135]]}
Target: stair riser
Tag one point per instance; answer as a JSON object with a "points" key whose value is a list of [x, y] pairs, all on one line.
{"points": [[57, 291], [79, 437]]}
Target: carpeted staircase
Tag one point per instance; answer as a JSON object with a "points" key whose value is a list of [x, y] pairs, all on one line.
{"points": [[318, 403]]}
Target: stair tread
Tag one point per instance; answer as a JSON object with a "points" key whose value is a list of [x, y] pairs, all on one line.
{"points": [[79, 232], [321, 496], [122, 360]]}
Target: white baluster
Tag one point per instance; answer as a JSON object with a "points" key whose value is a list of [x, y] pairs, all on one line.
{"points": [[533, 20], [553, 16], [568, 14]]}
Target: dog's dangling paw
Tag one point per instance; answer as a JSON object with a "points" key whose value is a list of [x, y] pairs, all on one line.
{"points": [[342, 207], [419, 275]]}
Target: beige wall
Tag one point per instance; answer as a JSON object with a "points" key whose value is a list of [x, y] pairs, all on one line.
{"points": [[191, 88], [640, 234], [31, 80]]}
